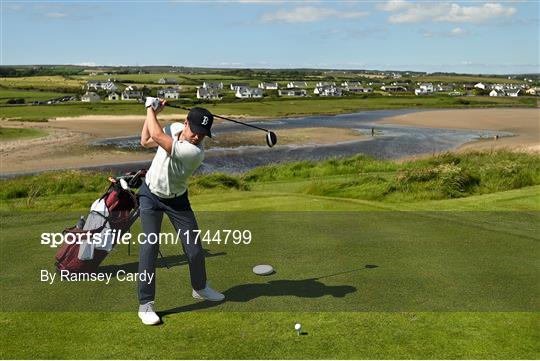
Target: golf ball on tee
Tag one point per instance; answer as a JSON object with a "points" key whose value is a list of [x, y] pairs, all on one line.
{"points": [[298, 327]]}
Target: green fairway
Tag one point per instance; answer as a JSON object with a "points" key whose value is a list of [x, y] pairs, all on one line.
{"points": [[7, 133], [444, 276]]}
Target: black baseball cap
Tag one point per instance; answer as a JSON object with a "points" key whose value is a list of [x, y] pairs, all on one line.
{"points": [[200, 121]]}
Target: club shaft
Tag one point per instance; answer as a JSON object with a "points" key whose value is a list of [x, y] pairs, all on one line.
{"points": [[220, 117]]}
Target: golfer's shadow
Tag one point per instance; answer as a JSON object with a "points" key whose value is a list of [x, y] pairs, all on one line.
{"points": [[308, 288], [170, 261]]}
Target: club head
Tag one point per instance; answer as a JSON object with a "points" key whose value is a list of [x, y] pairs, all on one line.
{"points": [[271, 139]]}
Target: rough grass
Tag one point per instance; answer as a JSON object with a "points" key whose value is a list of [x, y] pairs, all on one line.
{"points": [[7, 133], [440, 177]]}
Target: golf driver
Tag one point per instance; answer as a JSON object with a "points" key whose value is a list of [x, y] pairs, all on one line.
{"points": [[271, 137]]}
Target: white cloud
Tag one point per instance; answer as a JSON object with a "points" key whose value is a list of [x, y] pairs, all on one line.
{"points": [[457, 32], [407, 12], [56, 15], [309, 14], [86, 63], [453, 33]]}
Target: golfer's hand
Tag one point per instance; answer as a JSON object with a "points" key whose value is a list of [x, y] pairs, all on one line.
{"points": [[162, 104]]}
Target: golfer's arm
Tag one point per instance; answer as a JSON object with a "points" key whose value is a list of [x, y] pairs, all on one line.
{"points": [[146, 139], [156, 133]]}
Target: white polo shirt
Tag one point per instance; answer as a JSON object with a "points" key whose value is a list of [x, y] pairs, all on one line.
{"points": [[168, 175]]}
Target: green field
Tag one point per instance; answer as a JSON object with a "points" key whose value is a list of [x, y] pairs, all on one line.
{"points": [[28, 95], [42, 83], [7, 133], [273, 107], [433, 258]]}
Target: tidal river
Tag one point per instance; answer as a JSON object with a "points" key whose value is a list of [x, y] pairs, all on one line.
{"points": [[389, 142]]}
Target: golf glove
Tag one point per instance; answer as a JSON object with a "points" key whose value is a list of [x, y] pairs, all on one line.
{"points": [[152, 102]]}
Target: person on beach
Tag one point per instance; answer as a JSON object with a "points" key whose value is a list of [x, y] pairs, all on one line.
{"points": [[179, 153]]}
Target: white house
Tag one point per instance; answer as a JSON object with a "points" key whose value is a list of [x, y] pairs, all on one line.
{"points": [[101, 85], [533, 91], [513, 92], [114, 96], [426, 87], [393, 89], [244, 92], [168, 93], [480, 86], [90, 97], [132, 95], [328, 91], [351, 84], [207, 93], [325, 83], [359, 89], [496, 93], [210, 85], [268, 86], [235, 86], [297, 84], [167, 81], [292, 92]]}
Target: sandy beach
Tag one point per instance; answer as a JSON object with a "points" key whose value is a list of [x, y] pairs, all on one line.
{"points": [[523, 123], [67, 143]]}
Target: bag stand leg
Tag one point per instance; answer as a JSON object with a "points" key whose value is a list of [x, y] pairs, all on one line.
{"points": [[163, 259]]}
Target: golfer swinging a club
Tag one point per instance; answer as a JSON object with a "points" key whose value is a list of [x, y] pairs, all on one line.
{"points": [[180, 152]]}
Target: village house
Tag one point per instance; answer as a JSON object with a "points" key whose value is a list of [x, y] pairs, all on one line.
{"points": [[90, 97], [210, 85], [328, 91], [496, 93], [297, 84], [235, 86], [292, 92], [244, 92], [480, 86], [351, 84], [268, 86], [132, 95], [171, 81], [114, 96], [513, 92], [393, 89], [533, 91], [424, 89], [207, 93], [101, 85], [168, 93], [325, 83]]}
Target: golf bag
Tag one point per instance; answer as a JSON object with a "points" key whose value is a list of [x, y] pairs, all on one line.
{"points": [[113, 213]]}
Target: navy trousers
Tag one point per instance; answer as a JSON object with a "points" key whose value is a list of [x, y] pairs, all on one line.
{"points": [[181, 215]]}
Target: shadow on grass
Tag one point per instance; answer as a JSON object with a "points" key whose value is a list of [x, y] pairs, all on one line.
{"points": [[162, 262], [307, 288]]}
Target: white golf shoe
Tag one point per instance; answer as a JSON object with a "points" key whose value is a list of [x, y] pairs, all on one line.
{"points": [[208, 294], [147, 314]]}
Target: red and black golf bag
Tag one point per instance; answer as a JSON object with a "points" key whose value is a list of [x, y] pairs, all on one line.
{"points": [[114, 212]]}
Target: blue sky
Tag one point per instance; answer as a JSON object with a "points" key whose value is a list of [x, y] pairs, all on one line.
{"points": [[469, 37]]}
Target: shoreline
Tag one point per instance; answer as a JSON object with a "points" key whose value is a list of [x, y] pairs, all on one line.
{"points": [[66, 146]]}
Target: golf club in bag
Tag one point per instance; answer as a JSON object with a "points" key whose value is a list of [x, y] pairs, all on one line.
{"points": [[271, 137], [115, 211]]}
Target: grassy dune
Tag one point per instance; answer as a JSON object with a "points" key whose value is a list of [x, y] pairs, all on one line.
{"points": [[452, 275]]}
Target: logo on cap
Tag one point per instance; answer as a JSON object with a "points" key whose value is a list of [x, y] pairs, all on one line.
{"points": [[205, 120]]}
